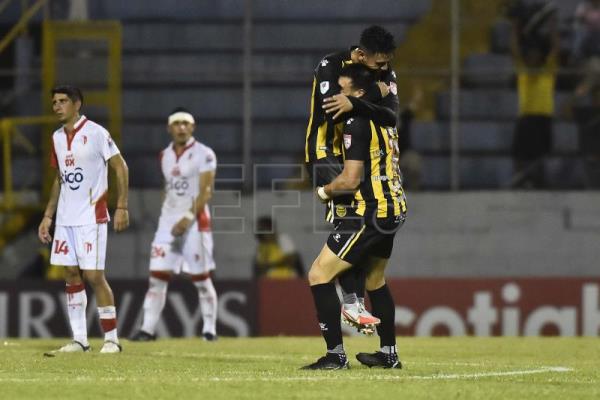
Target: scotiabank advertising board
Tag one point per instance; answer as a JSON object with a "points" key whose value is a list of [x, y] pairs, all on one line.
{"points": [[424, 307], [436, 307]]}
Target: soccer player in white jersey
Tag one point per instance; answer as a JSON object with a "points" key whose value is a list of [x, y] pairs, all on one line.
{"points": [[81, 153], [183, 241]]}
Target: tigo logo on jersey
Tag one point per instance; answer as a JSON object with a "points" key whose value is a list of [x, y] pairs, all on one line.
{"points": [[324, 87], [347, 141], [179, 185], [73, 179]]}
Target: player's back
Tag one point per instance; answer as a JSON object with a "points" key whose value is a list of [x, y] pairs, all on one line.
{"points": [[320, 133]]}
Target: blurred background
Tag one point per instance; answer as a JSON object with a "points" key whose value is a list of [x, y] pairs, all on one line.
{"points": [[500, 153]]}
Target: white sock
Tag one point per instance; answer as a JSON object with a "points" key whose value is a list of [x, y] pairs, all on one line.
{"points": [[208, 305], [108, 322], [154, 302], [76, 305]]}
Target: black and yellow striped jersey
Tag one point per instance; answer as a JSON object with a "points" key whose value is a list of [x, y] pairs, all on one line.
{"points": [[380, 193], [323, 134]]}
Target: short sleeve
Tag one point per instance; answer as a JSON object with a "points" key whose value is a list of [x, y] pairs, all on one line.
{"points": [[107, 146], [53, 158], [356, 138], [208, 161]]}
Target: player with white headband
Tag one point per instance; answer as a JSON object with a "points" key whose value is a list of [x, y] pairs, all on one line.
{"points": [[183, 241]]}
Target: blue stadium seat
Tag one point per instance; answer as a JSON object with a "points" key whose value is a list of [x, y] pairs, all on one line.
{"points": [[488, 70], [186, 9]]}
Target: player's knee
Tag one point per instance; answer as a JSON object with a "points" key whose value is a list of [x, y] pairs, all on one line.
{"points": [[374, 281], [317, 275], [94, 278], [72, 276]]}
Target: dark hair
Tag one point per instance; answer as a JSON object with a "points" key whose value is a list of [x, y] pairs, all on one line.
{"points": [[376, 39], [180, 109], [362, 77], [73, 93], [264, 224]]}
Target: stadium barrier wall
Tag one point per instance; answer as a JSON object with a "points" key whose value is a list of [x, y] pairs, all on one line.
{"points": [[470, 234], [424, 307]]}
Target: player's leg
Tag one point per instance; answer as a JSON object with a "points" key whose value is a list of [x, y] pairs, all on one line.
{"points": [[162, 262], [321, 275], [64, 253], [198, 253], [354, 312], [383, 307], [91, 247], [208, 304]]}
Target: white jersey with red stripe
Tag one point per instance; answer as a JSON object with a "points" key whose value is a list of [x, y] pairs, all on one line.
{"points": [[182, 183], [82, 160]]}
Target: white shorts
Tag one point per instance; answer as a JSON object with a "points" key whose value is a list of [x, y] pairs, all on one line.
{"points": [[191, 253], [83, 246]]}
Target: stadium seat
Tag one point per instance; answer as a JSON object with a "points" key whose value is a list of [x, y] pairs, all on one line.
{"points": [[402, 9], [488, 70]]}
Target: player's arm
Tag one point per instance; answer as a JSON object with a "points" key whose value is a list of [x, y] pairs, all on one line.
{"points": [[326, 81], [207, 183], [348, 181], [44, 228], [383, 113], [117, 163], [356, 150]]}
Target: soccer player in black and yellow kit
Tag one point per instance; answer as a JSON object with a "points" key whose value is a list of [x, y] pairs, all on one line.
{"points": [[323, 150], [365, 236]]}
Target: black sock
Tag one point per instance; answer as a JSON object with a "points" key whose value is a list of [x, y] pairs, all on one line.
{"points": [[347, 281], [328, 308], [360, 275], [384, 309]]}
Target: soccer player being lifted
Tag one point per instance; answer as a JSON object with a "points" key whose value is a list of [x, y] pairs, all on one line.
{"points": [[364, 237], [323, 153], [183, 239], [81, 152]]}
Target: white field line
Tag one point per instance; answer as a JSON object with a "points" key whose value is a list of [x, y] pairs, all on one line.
{"points": [[340, 376]]}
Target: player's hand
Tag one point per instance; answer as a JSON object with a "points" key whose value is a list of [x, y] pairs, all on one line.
{"points": [[321, 195], [121, 219], [181, 227], [338, 104], [383, 88], [44, 230]]}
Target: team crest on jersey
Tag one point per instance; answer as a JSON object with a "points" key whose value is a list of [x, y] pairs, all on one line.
{"points": [[84, 139], [394, 88], [175, 171], [324, 86], [340, 211], [347, 141]]}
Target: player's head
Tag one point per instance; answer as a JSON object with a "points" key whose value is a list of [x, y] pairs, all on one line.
{"points": [[66, 102], [376, 47], [355, 80], [181, 125], [265, 229]]}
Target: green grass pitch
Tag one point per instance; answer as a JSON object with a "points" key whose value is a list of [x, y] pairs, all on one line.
{"points": [[267, 368]]}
